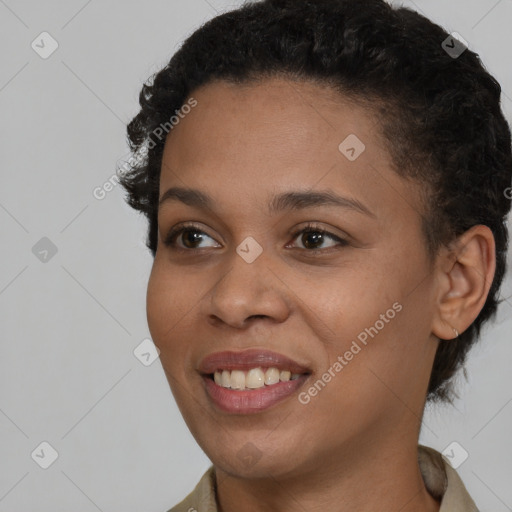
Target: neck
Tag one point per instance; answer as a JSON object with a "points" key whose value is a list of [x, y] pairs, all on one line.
{"points": [[373, 478]]}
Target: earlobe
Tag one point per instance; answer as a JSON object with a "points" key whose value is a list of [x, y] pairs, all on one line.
{"points": [[464, 282]]}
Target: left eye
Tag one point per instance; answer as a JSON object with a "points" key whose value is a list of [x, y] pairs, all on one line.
{"points": [[312, 236]]}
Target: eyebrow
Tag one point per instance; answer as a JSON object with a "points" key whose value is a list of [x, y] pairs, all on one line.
{"points": [[294, 200]]}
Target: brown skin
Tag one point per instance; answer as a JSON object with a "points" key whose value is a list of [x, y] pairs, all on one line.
{"points": [[354, 445]]}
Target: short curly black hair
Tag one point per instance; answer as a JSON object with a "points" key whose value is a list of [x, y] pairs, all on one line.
{"points": [[441, 111]]}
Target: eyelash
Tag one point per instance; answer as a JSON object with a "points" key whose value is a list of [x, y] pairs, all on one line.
{"points": [[170, 240]]}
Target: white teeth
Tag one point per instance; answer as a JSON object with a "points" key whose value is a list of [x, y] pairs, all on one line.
{"points": [[237, 380], [253, 379], [271, 376], [226, 379], [285, 375]]}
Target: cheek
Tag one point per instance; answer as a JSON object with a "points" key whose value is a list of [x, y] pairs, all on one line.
{"points": [[172, 301], [345, 302], [363, 317], [156, 303], [168, 299], [166, 304], [164, 308]]}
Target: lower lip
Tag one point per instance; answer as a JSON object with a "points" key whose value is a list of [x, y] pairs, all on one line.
{"points": [[253, 401]]}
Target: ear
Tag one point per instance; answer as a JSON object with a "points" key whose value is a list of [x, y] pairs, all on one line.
{"points": [[465, 275]]}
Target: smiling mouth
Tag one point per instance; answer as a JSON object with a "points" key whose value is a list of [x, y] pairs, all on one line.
{"points": [[252, 379]]}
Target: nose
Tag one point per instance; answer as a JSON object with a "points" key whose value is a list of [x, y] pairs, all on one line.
{"points": [[247, 291]]}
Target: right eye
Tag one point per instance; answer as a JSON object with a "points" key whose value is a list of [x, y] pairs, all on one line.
{"points": [[189, 234]]}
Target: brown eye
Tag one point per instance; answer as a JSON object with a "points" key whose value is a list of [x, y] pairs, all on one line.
{"points": [[190, 238], [312, 238], [189, 235]]}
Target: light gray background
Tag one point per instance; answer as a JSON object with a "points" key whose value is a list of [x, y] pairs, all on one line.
{"points": [[68, 374]]}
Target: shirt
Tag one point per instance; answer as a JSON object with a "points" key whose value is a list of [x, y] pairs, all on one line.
{"points": [[441, 481]]}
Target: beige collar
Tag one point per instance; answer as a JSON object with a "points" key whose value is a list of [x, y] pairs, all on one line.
{"points": [[441, 481]]}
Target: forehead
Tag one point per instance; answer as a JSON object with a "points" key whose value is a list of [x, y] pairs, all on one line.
{"points": [[258, 138], [295, 111], [272, 122]]}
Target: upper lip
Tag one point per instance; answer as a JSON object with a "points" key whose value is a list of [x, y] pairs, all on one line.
{"points": [[247, 359]]}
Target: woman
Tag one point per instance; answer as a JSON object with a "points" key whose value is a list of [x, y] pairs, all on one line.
{"points": [[325, 184]]}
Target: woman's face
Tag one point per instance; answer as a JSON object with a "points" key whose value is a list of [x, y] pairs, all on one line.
{"points": [[352, 307]]}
